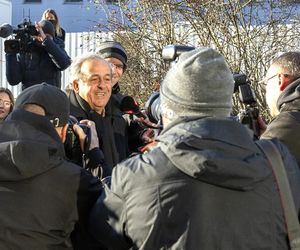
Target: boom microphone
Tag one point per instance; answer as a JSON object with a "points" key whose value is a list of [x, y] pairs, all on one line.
{"points": [[6, 30]]}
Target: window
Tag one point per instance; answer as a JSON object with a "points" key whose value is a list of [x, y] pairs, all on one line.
{"points": [[112, 1], [32, 1], [73, 1], [292, 1]]}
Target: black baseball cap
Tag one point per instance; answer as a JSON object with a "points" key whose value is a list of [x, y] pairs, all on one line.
{"points": [[54, 101]]}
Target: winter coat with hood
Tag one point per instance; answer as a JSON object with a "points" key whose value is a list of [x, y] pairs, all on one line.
{"points": [[205, 186], [286, 125], [40, 63], [42, 195]]}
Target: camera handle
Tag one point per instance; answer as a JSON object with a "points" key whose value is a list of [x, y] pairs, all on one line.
{"points": [[249, 117]]}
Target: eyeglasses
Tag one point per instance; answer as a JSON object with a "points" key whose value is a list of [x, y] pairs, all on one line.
{"points": [[5, 103], [265, 80]]}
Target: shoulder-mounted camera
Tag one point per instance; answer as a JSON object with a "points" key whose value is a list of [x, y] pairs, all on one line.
{"points": [[22, 36]]}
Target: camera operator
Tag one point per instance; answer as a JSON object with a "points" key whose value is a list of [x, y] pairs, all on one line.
{"points": [[41, 58]]}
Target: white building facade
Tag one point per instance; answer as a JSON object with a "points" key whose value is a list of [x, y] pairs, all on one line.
{"points": [[5, 11], [74, 15]]}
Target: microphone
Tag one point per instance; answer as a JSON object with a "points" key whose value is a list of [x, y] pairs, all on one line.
{"points": [[6, 30], [129, 106]]}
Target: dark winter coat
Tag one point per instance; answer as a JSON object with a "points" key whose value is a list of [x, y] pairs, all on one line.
{"points": [[42, 195], [40, 63], [205, 186], [120, 125], [286, 125], [128, 130]]}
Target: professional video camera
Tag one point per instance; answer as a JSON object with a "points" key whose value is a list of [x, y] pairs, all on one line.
{"points": [[249, 115], [72, 143], [22, 36]]}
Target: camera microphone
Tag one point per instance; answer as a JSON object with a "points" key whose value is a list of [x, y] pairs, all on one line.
{"points": [[6, 30]]}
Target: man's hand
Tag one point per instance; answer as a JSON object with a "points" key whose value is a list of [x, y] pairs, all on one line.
{"points": [[41, 36], [148, 136], [94, 143], [262, 125]]}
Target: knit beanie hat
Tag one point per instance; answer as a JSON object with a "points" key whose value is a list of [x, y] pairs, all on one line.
{"points": [[113, 49], [47, 27], [199, 84]]}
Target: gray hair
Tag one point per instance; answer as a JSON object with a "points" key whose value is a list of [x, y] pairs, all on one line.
{"points": [[289, 62], [75, 68]]}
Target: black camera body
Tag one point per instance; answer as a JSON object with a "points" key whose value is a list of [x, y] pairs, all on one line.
{"points": [[249, 115], [72, 144], [22, 39]]}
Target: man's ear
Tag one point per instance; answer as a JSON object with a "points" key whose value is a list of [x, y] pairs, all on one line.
{"points": [[284, 81], [62, 132], [75, 86]]}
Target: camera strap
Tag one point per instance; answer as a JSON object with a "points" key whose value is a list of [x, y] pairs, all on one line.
{"points": [[287, 202]]}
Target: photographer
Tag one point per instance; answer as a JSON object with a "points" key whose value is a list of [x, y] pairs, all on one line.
{"points": [[36, 58], [282, 83], [44, 195]]}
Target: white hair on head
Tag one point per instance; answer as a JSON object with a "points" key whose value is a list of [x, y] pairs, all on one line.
{"points": [[75, 68]]}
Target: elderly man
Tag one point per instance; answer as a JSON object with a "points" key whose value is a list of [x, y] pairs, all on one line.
{"points": [[91, 90], [283, 98], [43, 196], [206, 185]]}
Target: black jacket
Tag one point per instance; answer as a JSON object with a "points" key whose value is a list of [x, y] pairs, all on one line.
{"points": [[286, 125], [128, 130], [120, 125], [42, 195], [40, 63], [205, 186]]}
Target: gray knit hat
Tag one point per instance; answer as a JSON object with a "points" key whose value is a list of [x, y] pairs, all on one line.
{"points": [[113, 49], [199, 84]]}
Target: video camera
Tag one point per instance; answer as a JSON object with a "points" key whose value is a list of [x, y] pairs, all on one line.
{"points": [[249, 115], [23, 36], [72, 143]]}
